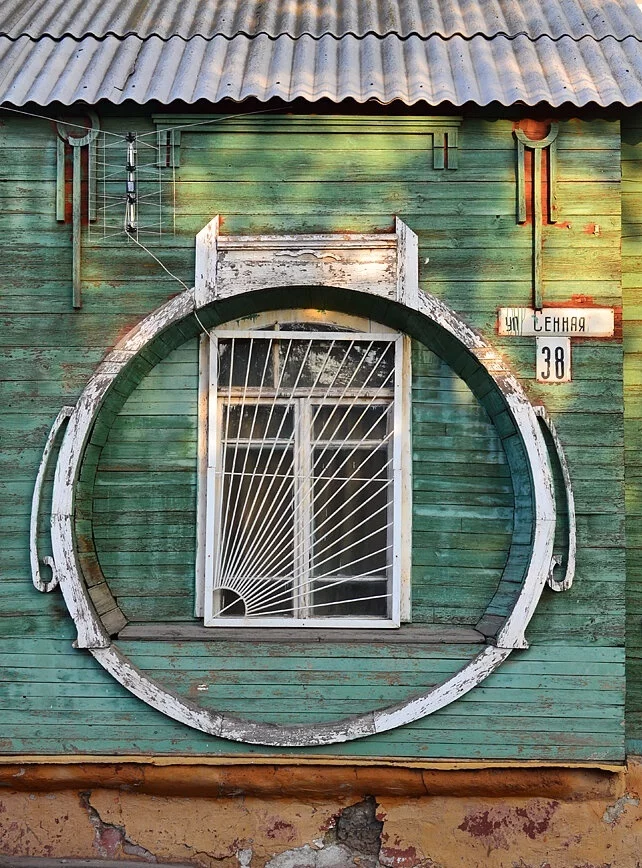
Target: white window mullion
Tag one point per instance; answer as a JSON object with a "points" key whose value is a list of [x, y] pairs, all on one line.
{"points": [[214, 487], [397, 454]]}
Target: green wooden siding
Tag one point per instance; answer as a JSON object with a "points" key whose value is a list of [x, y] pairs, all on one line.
{"points": [[556, 701], [632, 323], [561, 699], [144, 505], [463, 503]]}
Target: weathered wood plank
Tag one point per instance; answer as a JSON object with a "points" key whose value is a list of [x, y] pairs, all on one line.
{"points": [[410, 635], [477, 256]]}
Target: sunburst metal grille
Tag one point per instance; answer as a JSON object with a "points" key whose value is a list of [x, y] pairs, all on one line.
{"points": [[303, 479]]}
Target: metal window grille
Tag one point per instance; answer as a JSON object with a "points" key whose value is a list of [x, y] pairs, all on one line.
{"points": [[303, 479]]}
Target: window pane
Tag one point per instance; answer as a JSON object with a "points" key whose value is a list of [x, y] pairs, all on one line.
{"points": [[257, 515], [230, 604], [307, 364], [252, 364], [358, 599], [370, 365], [363, 421], [260, 598], [339, 365], [258, 421], [351, 512], [270, 598]]}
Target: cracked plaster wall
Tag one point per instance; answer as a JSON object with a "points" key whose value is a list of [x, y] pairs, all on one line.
{"points": [[594, 830]]}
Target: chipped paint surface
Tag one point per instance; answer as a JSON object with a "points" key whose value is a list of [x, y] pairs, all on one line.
{"points": [[494, 825], [398, 279], [615, 811], [509, 822]]}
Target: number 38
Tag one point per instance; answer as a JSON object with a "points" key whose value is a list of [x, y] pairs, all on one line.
{"points": [[554, 362]]}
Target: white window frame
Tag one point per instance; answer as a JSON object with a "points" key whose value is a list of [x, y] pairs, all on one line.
{"points": [[400, 562]]}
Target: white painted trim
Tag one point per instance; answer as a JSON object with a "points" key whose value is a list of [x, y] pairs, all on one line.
{"points": [[522, 412], [405, 544], [383, 264], [224, 726], [400, 426], [206, 261], [210, 483], [247, 334], [248, 327], [569, 572], [443, 694], [211, 507], [146, 689], [91, 633], [36, 576], [294, 243], [201, 472], [407, 265], [299, 623]]}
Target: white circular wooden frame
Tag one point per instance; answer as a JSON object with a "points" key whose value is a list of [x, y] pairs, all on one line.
{"points": [[91, 633]]}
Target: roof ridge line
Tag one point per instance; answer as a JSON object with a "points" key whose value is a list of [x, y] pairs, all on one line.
{"points": [[317, 38]]}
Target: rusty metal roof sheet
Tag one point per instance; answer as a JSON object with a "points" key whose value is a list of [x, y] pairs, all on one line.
{"points": [[480, 51], [425, 18]]}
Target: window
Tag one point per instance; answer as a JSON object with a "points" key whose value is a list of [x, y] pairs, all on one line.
{"points": [[305, 477]]}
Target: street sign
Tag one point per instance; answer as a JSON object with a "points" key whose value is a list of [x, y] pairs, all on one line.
{"points": [[584, 322]]}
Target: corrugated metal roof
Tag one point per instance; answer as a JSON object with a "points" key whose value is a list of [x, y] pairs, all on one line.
{"points": [[437, 70], [295, 18], [480, 51]]}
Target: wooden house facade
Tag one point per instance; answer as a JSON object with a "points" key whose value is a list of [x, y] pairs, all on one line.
{"points": [[321, 435]]}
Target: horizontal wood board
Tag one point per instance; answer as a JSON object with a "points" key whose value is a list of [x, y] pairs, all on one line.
{"points": [[632, 327], [478, 259], [42, 697], [144, 504]]}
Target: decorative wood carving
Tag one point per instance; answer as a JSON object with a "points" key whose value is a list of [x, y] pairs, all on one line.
{"points": [[227, 266], [537, 148], [569, 573], [443, 131], [67, 135], [36, 576]]}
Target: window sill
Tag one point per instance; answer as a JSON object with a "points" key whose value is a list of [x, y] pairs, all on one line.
{"points": [[410, 634]]}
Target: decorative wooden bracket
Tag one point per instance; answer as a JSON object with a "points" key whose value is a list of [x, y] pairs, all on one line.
{"points": [[557, 560], [66, 136], [444, 131], [60, 420], [380, 263], [537, 147]]}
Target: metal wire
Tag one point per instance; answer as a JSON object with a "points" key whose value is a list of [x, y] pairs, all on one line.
{"points": [[252, 555]]}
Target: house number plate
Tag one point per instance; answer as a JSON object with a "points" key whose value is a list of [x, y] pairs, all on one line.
{"points": [[553, 360]]}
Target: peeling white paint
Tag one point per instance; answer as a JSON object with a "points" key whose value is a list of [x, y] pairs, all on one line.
{"points": [[36, 576], [569, 572], [383, 265]]}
